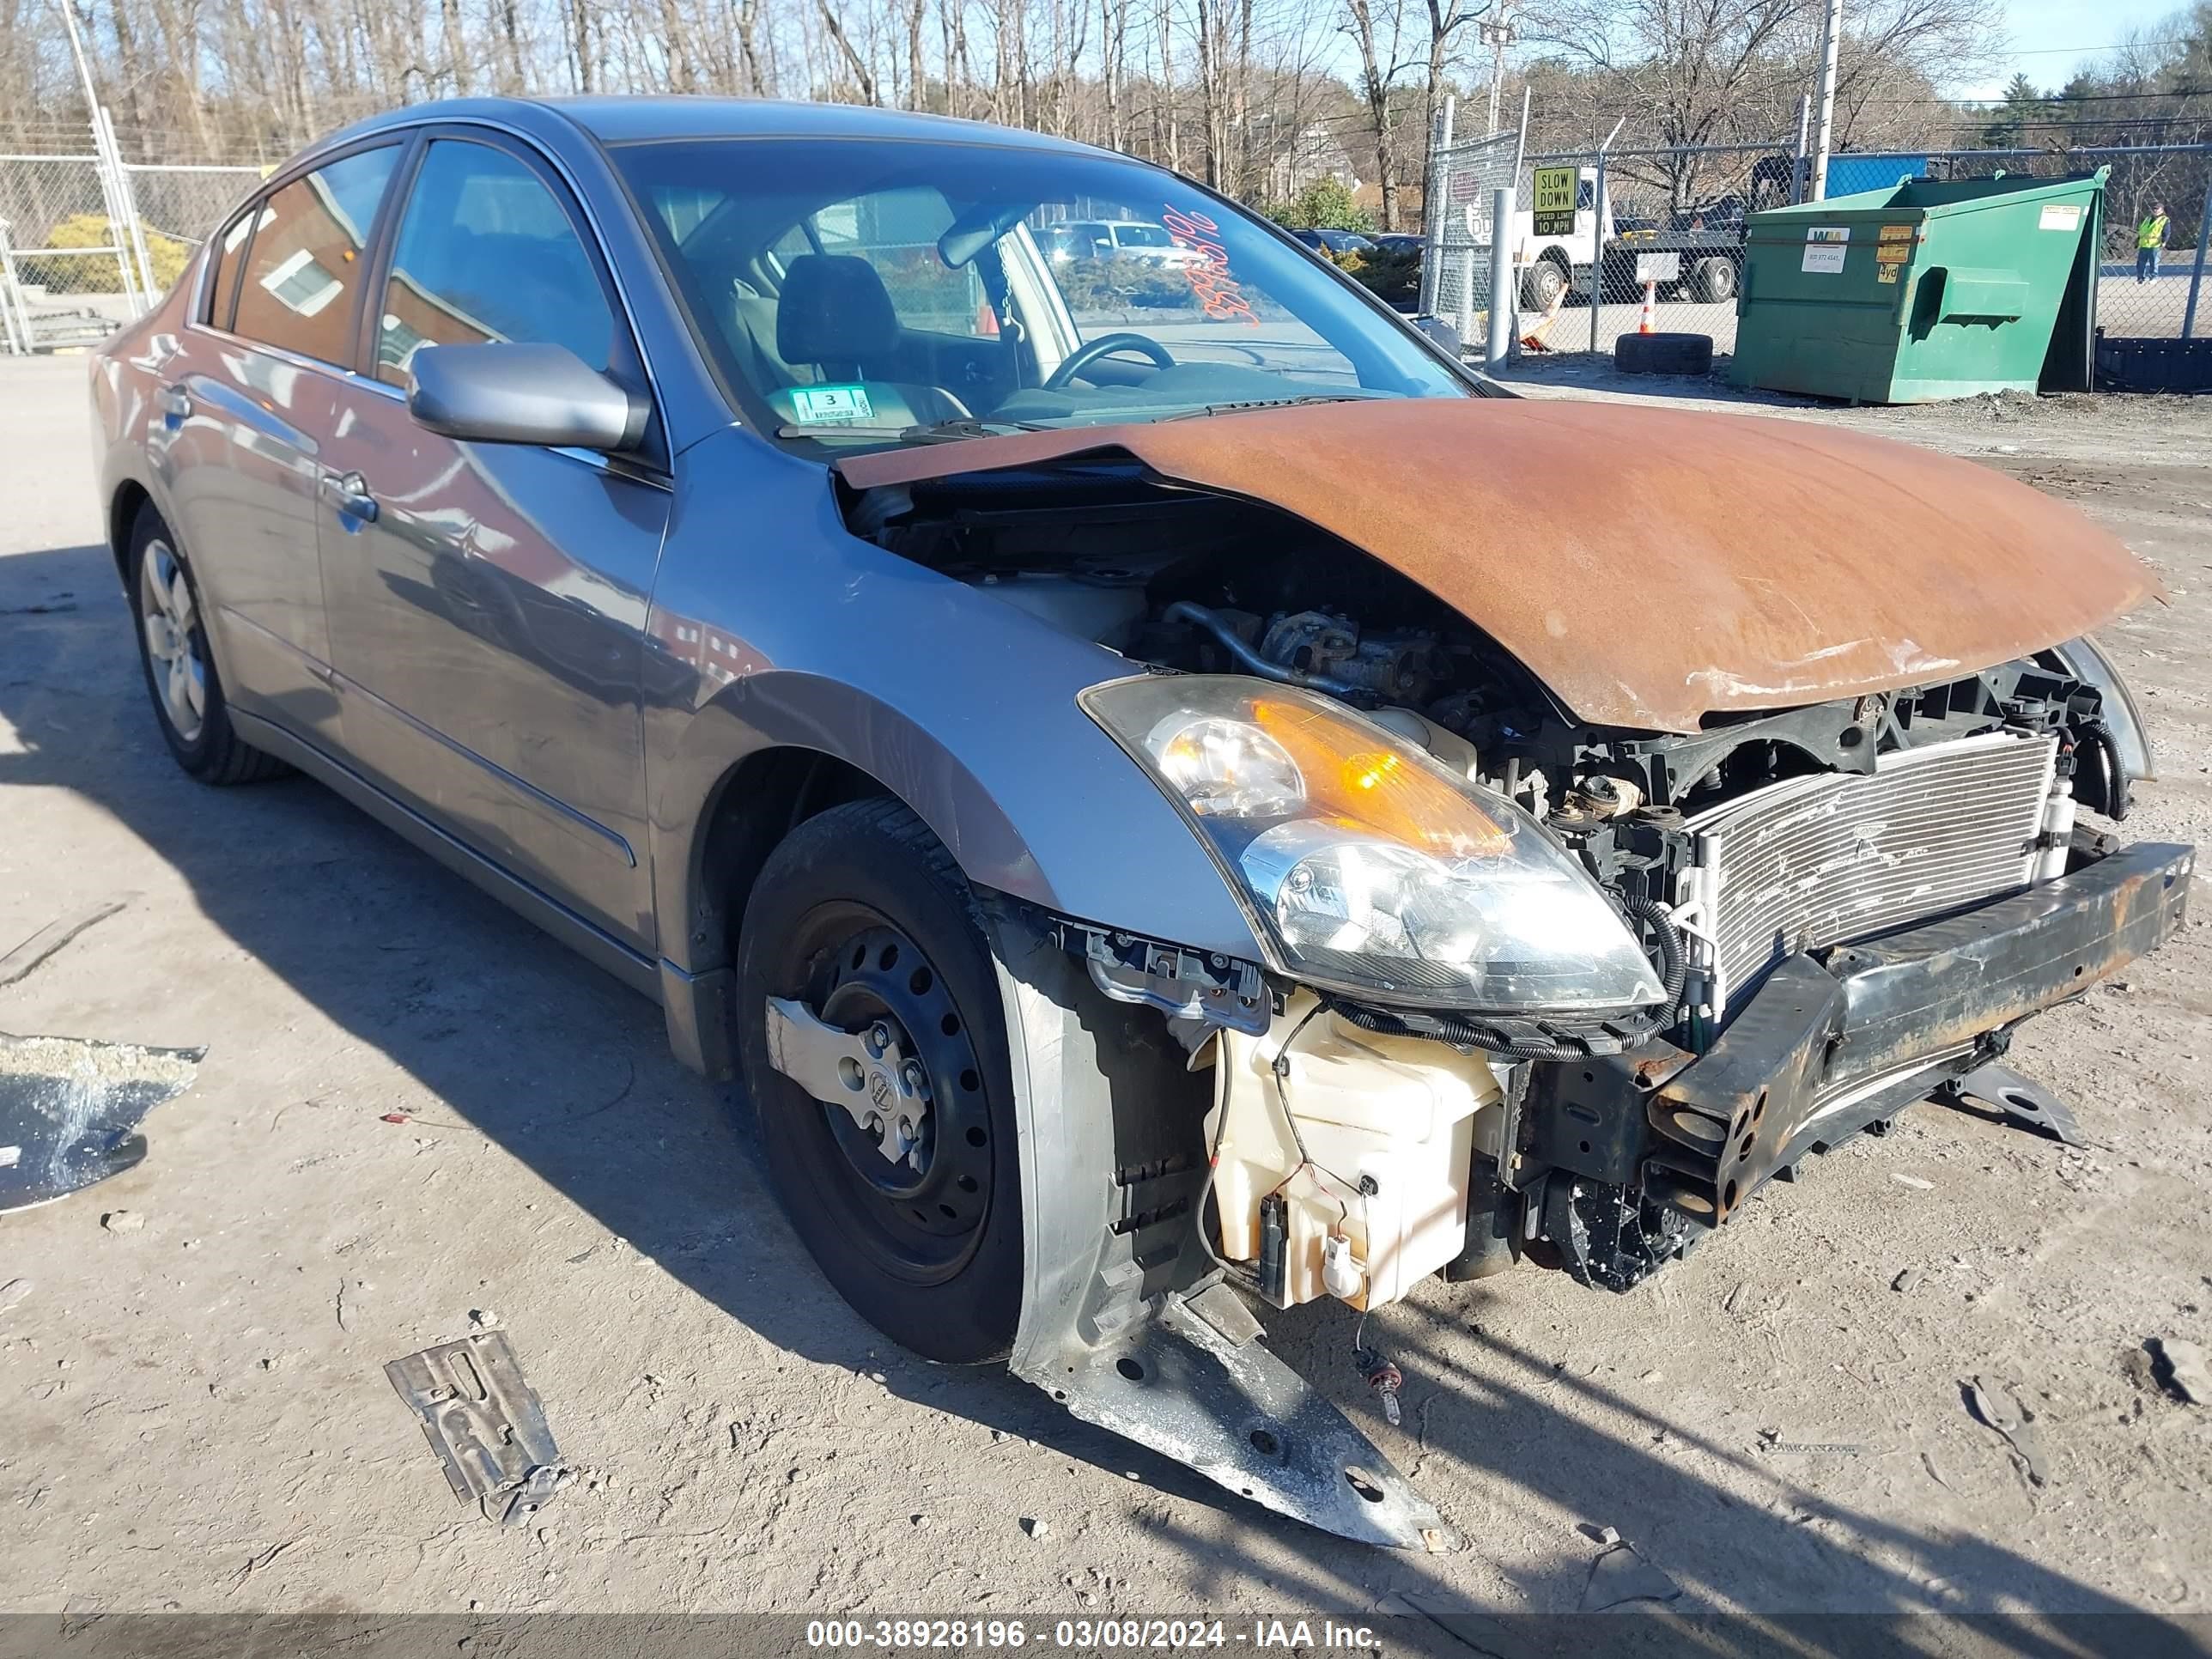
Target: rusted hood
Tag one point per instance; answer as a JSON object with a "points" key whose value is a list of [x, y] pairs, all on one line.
{"points": [[1650, 566]]}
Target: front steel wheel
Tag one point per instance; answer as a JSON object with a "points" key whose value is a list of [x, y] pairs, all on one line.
{"points": [[883, 1094]]}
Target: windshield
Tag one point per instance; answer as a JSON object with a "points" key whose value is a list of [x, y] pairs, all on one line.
{"points": [[857, 294]]}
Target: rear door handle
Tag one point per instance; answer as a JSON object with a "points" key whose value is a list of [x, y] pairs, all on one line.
{"points": [[173, 400], [349, 493]]}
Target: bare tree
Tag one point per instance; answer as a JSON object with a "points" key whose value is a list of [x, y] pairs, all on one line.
{"points": [[1252, 94], [863, 77], [1376, 27]]}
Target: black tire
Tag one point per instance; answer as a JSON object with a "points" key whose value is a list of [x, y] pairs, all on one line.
{"points": [[211, 750], [947, 1286], [1663, 354], [1713, 279], [1543, 282]]}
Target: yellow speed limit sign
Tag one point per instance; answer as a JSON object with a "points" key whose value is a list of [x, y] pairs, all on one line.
{"points": [[1553, 207]]}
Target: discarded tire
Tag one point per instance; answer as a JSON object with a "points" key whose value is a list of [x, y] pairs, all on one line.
{"points": [[1663, 354]]}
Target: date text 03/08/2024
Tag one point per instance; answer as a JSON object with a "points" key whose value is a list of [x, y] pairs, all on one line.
{"points": [[1081, 1635]]}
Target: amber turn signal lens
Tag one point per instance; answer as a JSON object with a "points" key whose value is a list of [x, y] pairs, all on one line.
{"points": [[1383, 790]]}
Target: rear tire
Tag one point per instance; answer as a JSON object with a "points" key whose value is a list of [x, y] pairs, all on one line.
{"points": [[1713, 279], [1663, 354], [187, 694], [1543, 283], [861, 914]]}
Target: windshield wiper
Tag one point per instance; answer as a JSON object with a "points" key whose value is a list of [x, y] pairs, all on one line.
{"points": [[1271, 402], [941, 432]]}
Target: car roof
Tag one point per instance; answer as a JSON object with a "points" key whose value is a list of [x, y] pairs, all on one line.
{"points": [[630, 120]]}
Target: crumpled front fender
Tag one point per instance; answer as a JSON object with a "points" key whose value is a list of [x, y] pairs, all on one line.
{"points": [[1124, 1318]]}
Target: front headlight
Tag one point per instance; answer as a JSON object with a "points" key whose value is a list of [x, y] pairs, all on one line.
{"points": [[1371, 868]]}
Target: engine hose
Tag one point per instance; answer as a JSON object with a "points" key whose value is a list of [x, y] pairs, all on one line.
{"points": [[1673, 960], [1537, 1044], [2099, 736], [1225, 637]]}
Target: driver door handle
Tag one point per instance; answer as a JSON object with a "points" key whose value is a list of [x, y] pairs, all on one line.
{"points": [[349, 493]]}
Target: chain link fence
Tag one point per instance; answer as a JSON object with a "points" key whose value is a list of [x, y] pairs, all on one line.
{"points": [[88, 242], [184, 204], [1599, 235], [65, 261], [1455, 262], [1674, 230]]}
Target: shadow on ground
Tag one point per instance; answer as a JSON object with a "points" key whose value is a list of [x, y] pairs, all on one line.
{"points": [[369, 932]]}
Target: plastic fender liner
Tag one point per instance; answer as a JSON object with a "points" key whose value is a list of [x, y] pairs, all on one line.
{"points": [[1112, 1153]]}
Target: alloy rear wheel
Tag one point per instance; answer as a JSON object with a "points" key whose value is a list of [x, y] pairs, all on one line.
{"points": [[182, 678]]}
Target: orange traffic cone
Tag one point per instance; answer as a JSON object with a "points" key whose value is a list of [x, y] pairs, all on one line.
{"points": [[1651, 308]]}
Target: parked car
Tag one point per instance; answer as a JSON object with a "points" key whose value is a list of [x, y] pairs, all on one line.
{"points": [[1395, 270], [1145, 871], [1335, 241], [1144, 239]]}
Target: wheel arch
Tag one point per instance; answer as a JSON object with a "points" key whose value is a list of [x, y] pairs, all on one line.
{"points": [[767, 754], [1081, 833], [123, 505], [754, 805]]}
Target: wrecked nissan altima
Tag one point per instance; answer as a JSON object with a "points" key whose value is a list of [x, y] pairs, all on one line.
{"points": [[1174, 799]]}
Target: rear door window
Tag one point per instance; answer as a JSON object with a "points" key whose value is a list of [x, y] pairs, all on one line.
{"points": [[487, 253], [304, 259]]}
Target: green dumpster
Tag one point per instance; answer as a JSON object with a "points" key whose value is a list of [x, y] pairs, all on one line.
{"points": [[1923, 291]]}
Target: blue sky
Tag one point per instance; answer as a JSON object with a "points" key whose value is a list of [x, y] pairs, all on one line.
{"points": [[2047, 36]]}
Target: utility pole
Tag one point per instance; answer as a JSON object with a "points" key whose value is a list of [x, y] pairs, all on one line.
{"points": [[1497, 32], [1832, 30]]}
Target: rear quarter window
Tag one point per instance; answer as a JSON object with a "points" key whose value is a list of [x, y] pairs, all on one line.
{"points": [[229, 258]]}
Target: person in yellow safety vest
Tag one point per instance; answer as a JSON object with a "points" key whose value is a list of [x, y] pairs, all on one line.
{"points": [[2150, 241]]}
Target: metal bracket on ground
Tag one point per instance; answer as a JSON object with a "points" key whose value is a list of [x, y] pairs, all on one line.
{"points": [[484, 1421]]}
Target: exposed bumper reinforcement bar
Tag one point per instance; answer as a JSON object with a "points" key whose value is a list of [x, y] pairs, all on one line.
{"points": [[1834, 1042]]}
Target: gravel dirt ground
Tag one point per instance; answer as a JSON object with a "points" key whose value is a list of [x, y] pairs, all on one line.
{"points": [[193, 1412]]}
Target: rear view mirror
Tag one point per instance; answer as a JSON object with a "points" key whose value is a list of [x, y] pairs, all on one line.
{"points": [[512, 393]]}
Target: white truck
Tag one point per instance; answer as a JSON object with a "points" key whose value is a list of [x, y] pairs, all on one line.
{"points": [[1557, 246]]}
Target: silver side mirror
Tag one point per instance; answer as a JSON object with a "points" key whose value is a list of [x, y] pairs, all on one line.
{"points": [[513, 393]]}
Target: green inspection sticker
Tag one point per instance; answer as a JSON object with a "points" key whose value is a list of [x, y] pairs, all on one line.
{"points": [[831, 405]]}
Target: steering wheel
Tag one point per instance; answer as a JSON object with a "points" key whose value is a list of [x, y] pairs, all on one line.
{"points": [[1105, 345]]}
